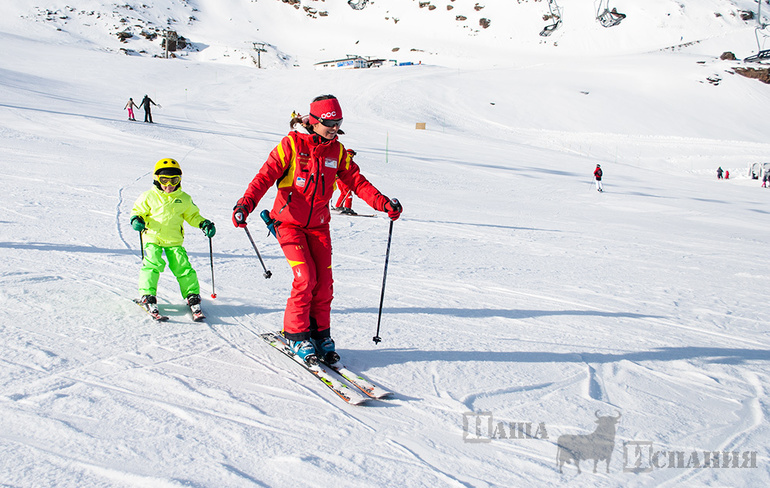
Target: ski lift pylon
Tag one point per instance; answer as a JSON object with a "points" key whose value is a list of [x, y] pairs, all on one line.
{"points": [[759, 30], [554, 16]]}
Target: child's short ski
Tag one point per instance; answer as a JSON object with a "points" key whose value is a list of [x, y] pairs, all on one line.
{"points": [[326, 377], [151, 309]]}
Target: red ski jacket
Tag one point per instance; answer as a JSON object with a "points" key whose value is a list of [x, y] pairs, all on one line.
{"points": [[598, 173], [304, 166]]}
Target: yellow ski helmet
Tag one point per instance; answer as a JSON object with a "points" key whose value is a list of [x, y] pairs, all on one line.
{"points": [[167, 168], [170, 165]]}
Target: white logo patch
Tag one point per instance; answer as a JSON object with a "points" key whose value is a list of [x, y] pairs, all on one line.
{"points": [[330, 163], [300, 182]]}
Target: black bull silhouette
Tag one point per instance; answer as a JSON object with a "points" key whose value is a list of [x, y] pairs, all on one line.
{"points": [[597, 445]]}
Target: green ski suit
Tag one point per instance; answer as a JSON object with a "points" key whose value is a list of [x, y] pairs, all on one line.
{"points": [[164, 215]]}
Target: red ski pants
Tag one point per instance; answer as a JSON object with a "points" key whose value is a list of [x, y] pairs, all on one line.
{"points": [[308, 309], [346, 195]]}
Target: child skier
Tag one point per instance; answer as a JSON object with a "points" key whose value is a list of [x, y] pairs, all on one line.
{"points": [[130, 106], [304, 167], [159, 214]]}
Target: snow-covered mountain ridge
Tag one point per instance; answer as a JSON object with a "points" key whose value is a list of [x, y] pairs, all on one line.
{"points": [[304, 32]]}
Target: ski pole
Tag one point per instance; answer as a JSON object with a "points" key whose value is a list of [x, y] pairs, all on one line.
{"points": [[211, 258], [376, 337], [267, 274], [141, 244]]}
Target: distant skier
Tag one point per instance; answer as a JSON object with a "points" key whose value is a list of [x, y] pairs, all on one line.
{"points": [[727, 174], [160, 214], [345, 200], [145, 104], [304, 166], [719, 173], [598, 176], [130, 107], [764, 180]]}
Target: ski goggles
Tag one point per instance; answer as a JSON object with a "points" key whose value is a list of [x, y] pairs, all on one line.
{"points": [[327, 122], [169, 180]]}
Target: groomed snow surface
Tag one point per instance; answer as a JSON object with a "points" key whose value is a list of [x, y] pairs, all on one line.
{"points": [[516, 293]]}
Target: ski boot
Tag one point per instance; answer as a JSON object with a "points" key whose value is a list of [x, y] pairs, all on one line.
{"points": [[325, 350], [150, 303], [194, 302], [305, 351]]}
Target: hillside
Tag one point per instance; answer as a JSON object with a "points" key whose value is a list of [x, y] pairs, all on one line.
{"points": [[519, 299], [451, 33]]}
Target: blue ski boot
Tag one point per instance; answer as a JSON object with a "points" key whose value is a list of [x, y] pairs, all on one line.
{"points": [[325, 349], [305, 351]]}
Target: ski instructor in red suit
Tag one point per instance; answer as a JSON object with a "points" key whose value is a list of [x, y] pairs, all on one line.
{"points": [[304, 167]]}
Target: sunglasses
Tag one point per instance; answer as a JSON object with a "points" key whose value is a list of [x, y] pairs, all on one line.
{"points": [[329, 123], [169, 180]]}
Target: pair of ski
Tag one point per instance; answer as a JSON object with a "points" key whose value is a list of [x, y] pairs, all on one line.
{"points": [[330, 374], [152, 311], [351, 213]]}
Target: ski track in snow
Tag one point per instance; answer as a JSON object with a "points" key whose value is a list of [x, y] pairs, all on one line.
{"points": [[514, 288]]}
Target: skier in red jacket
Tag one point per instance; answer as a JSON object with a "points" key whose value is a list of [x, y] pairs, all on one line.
{"points": [[345, 200], [304, 167], [598, 176]]}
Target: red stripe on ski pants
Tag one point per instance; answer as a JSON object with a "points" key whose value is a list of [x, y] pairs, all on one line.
{"points": [[309, 252]]}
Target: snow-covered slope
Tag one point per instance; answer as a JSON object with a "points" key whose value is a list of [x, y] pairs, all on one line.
{"points": [[516, 293]]}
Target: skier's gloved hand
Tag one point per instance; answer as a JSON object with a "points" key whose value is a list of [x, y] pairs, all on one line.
{"points": [[137, 223], [394, 209], [208, 228], [239, 215]]}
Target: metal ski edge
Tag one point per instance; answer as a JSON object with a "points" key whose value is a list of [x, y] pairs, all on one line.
{"points": [[342, 390]]}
